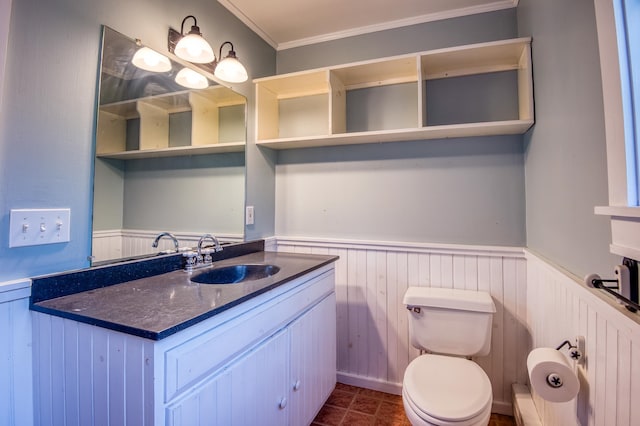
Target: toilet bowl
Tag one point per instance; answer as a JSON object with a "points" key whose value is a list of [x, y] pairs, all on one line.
{"points": [[444, 387], [446, 391]]}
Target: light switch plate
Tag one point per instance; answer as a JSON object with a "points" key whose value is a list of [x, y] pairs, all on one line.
{"points": [[249, 216], [31, 227]]}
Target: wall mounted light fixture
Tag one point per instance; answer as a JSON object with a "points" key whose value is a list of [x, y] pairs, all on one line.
{"points": [[229, 68], [191, 79], [194, 48], [150, 60]]}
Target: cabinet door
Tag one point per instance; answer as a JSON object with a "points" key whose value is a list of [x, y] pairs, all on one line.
{"points": [[250, 391], [313, 360]]}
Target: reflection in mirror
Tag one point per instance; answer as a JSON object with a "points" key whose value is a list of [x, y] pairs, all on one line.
{"points": [[168, 158]]}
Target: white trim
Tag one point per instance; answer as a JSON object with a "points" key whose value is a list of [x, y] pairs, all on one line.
{"points": [[185, 235], [430, 17], [14, 290], [612, 99], [408, 247], [624, 251], [608, 307], [5, 23], [248, 22], [625, 223], [524, 410], [618, 211], [369, 383], [396, 389]]}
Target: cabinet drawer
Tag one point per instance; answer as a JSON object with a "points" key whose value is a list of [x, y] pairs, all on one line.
{"points": [[201, 356]]}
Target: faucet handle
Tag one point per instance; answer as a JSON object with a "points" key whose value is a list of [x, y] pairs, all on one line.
{"points": [[206, 256], [191, 260]]}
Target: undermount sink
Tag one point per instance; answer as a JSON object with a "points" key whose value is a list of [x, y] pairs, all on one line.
{"points": [[235, 274]]}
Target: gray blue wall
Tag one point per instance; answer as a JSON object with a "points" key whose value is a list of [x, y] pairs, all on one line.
{"points": [[46, 133], [465, 191], [538, 190], [47, 126], [565, 158]]}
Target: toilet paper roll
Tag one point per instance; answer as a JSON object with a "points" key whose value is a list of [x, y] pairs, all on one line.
{"points": [[551, 376]]}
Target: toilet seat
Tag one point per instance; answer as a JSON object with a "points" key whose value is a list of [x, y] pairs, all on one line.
{"points": [[445, 390]]}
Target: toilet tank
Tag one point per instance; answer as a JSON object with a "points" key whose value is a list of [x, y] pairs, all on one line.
{"points": [[450, 321]]}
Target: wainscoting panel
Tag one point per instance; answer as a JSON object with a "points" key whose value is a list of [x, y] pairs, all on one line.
{"points": [[371, 279], [119, 243], [106, 397], [16, 389], [561, 307]]}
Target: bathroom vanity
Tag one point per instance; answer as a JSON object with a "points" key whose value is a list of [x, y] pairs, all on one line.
{"points": [[164, 350]]}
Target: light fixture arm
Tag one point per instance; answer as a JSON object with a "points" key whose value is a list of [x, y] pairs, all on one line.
{"points": [[194, 28], [232, 52], [226, 68]]}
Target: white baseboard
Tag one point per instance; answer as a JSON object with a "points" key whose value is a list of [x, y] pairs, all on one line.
{"points": [[396, 389], [369, 383], [524, 410]]}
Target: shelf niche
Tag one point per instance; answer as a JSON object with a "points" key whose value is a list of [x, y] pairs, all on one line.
{"points": [[426, 95], [182, 123]]}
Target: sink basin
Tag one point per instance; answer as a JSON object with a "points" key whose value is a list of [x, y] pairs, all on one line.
{"points": [[235, 274]]}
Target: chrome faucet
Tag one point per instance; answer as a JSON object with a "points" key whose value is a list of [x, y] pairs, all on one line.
{"points": [[216, 243], [166, 234], [203, 256]]}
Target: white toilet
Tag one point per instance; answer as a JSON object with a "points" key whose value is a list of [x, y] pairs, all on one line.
{"points": [[443, 387]]}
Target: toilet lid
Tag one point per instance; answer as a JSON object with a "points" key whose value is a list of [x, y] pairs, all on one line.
{"points": [[447, 388]]}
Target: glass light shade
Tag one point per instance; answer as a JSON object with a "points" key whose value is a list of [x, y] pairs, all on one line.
{"points": [[231, 70], [191, 79], [150, 60], [194, 48]]}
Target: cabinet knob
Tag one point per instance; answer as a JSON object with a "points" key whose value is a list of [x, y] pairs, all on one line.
{"points": [[283, 403], [296, 385]]}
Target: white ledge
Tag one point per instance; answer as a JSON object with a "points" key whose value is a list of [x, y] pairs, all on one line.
{"points": [[618, 211]]}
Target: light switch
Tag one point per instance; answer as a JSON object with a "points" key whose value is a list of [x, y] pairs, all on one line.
{"points": [[30, 227], [249, 216]]}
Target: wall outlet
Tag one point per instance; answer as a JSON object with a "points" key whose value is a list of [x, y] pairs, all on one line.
{"points": [[32, 227], [249, 216]]}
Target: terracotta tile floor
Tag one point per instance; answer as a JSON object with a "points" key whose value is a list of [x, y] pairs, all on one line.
{"points": [[353, 406]]}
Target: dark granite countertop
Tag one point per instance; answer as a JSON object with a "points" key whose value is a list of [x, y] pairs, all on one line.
{"points": [[157, 306]]}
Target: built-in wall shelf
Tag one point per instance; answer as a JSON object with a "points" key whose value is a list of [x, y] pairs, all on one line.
{"points": [[151, 136], [177, 151], [398, 98]]}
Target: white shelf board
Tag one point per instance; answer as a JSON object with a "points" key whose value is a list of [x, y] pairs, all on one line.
{"points": [[177, 151], [494, 128]]}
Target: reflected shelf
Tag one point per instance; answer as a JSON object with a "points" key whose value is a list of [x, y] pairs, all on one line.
{"points": [[178, 151]]}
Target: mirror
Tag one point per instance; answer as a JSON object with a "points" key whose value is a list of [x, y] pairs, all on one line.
{"points": [[168, 158]]}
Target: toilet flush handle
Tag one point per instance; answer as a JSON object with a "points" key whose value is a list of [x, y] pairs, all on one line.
{"points": [[415, 309]]}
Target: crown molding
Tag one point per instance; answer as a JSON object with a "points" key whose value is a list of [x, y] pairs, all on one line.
{"points": [[430, 17], [248, 22]]}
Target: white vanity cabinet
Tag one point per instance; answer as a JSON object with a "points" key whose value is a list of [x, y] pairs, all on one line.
{"points": [[282, 381], [270, 360]]}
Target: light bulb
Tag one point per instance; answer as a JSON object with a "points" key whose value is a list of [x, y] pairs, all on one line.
{"points": [[194, 48], [191, 79], [231, 70], [150, 60]]}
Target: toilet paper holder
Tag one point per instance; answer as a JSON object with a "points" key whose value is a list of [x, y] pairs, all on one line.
{"points": [[622, 283], [574, 352]]}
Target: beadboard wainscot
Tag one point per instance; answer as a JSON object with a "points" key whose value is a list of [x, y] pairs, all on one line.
{"points": [[16, 389], [559, 307], [371, 279], [119, 243]]}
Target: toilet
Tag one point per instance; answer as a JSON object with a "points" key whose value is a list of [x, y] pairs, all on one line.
{"points": [[442, 387]]}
